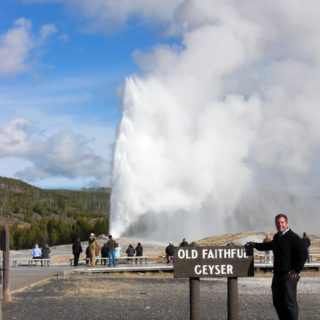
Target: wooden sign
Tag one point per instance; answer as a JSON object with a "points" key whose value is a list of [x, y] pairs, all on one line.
{"points": [[222, 261]]}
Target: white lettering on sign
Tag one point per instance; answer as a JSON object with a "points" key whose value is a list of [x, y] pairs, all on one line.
{"points": [[231, 253], [213, 269], [186, 254]]}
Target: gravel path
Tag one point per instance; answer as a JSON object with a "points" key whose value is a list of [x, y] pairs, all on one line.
{"points": [[110, 297]]}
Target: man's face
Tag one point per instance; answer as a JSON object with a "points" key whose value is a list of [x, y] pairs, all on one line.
{"points": [[281, 224]]}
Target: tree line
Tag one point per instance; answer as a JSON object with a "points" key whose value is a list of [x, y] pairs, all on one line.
{"points": [[51, 216], [54, 231]]}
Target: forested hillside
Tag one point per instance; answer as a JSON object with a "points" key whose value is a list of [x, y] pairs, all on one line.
{"points": [[51, 216]]}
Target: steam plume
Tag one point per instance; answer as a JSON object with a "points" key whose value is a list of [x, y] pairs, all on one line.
{"points": [[221, 133]]}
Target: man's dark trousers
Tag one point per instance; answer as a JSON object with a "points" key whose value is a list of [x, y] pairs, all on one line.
{"points": [[284, 294]]}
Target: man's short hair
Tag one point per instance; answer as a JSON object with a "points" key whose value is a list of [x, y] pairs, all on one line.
{"points": [[281, 215]]}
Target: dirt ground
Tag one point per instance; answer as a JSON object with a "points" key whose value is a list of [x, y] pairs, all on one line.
{"points": [[113, 297]]}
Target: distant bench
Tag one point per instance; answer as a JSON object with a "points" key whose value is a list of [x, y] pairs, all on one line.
{"points": [[86, 260], [141, 259], [31, 262]]}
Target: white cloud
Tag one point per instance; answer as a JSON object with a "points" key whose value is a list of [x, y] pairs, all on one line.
{"points": [[113, 15], [64, 154], [14, 137], [14, 48], [19, 47], [46, 31]]}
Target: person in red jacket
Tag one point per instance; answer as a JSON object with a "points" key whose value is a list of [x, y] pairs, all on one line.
{"points": [[290, 256]]}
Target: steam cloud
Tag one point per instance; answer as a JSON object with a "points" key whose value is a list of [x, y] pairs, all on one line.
{"points": [[221, 133]]}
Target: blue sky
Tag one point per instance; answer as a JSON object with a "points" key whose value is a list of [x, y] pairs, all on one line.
{"points": [[61, 79]]}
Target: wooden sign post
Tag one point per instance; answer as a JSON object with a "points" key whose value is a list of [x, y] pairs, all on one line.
{"points": [[194, 290], [5, 263], [232, 298], [223, 261]]}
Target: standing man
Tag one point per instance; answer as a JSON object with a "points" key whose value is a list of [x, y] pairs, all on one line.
{"points": [[105, 252], [111, 246], [307, 243], [184, 243], [289, 257], [76, 250]]}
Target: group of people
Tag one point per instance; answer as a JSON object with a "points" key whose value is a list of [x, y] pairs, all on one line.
{"points": [[111, 249], [134, 252], [170, 249], [40, 253]]}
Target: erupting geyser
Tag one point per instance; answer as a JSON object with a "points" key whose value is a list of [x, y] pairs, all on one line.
{"points": [[221, 132]]}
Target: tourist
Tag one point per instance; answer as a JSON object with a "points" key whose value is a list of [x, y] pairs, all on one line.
{"points": [[139, 250], [117, 252], [169, 252], [307, 243], [97, 251], [87, 255], [36, 252], [184, 243], [105, 252], [92, 250], [130, 251], [111, 246], [289, 254], [45, 252], [76, 251]]}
